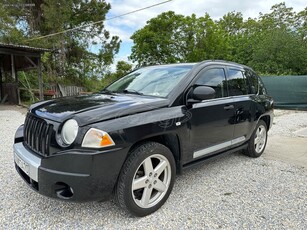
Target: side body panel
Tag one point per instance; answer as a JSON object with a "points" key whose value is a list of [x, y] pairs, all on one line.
{"points": [[210, 125]]}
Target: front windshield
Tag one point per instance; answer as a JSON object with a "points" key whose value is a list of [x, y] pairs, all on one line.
{"points": [[153, 81]]}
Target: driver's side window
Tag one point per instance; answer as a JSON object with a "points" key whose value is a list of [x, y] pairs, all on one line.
{"points": [[214, 78]]}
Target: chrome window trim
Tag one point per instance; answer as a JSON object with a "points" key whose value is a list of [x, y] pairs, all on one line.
{"points": [[222, 100]]}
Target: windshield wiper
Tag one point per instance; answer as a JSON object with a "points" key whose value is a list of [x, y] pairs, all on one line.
{"points": [[132, 91]]}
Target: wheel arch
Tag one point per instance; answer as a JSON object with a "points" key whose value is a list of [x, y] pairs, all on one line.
{"points": [[267, 120], [170, 140]]}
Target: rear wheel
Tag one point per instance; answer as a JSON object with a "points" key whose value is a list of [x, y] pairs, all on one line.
{"points": [[146, 179], [258, 140]]}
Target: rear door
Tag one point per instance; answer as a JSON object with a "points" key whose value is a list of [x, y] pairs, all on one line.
{"points": [[240, 91], [211, 124]]}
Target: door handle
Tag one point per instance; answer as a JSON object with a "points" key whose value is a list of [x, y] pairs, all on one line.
{"points": [[228, 107]]}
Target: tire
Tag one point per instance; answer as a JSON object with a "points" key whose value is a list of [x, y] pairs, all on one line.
{"points": [[258, 140], [151, 168]]}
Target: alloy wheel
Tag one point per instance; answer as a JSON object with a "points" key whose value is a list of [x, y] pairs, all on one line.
{"points": [[151, 181], [260, 139]]}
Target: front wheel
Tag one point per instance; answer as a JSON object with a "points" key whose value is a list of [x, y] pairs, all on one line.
{"points": [[146, 179], [257, 141]]}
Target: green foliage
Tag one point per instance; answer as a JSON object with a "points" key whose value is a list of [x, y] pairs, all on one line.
{"points": [[156, 42], [273, 43], [9, 33], [301, 18], [70, 58], [171, 38], [281, 53]]}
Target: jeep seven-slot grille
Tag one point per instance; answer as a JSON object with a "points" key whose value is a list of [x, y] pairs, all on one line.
{"points": [[37, 134]]}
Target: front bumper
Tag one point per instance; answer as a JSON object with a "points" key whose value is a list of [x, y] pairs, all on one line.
{"points": [[76, 175]]}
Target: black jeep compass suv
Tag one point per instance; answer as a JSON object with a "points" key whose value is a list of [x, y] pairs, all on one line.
{"points": [[130, 139]]}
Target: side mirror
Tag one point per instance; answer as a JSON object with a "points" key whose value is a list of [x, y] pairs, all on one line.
{"points": [[203, 93]]}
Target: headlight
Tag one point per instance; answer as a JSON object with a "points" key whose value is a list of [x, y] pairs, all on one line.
{"points": [[69, 131], [95, 138]]}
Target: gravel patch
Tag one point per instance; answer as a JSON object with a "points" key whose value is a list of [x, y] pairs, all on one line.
{"points": [[234, 192], [286, 123]]}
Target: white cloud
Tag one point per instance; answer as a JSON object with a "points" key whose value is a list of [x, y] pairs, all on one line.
{"points": [[118, 31]]}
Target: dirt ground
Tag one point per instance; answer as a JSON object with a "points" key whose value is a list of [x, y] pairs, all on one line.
{"points": [[287, 140], [20, 109]]}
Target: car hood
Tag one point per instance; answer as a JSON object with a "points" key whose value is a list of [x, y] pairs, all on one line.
{"points": [[93, 108]]}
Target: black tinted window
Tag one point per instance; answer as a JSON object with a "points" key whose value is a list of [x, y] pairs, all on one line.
{"points": [[262, 90], [252, 80], [236, 83], [214, 78]]}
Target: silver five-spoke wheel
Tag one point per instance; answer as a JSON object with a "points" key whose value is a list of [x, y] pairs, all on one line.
{"points": [[151, 181], [146, 179], [260, 138], [257, 142]]}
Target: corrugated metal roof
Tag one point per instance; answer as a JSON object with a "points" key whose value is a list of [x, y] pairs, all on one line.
{"points": [[24, 48]]}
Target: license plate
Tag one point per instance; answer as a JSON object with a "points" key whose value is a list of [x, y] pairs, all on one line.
{"points": [[21, 164]]}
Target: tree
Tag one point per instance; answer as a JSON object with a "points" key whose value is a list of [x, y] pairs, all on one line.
{"points": [[281, 17], [171, 38], [9, 33], [280, 52], [71, 59], [233, 26], [281, 47], [155, 44], [302, 24], [273, 43], [207, 42]]}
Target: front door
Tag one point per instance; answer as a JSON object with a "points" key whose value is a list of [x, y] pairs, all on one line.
{"points": [[212, 121]]}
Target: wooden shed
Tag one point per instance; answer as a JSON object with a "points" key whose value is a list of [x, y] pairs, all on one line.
{"points": [[14, 58]]}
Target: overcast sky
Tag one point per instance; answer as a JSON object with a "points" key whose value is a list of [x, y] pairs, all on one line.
{"points": [[125, 26]]}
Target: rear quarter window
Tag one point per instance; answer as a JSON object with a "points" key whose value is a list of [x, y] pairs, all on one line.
{"points": [[252, 80], [256, 85], [262, 90]]}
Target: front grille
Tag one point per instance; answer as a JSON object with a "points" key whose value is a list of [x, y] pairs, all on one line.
{"points": [[37, 134]]}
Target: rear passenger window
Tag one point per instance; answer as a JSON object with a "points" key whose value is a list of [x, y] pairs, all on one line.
{"points": [[214, 78], [236, 83]]}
